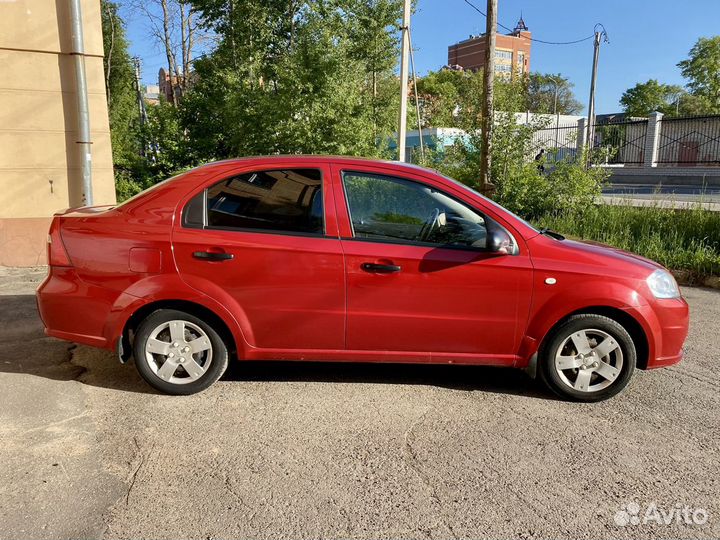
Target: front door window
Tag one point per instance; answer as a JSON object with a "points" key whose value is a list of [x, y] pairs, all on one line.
{"points": [[395, 210]]}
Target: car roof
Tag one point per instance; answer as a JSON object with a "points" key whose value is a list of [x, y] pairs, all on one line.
{"points": [[319, 158]]}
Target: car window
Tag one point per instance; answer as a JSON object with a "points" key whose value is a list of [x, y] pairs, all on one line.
{"points": [[287, 200], [393, 209]]}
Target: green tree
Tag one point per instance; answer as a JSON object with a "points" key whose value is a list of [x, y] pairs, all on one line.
{"points": [[164, 142], [702, 69], [439, 93], [120, 88], [541, 88], [313, 76], [692, 105], [452, 98], [648, 97]]}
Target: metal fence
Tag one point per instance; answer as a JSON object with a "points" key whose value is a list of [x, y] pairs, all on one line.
{"points": [[621, 141], [689, 141], [559, 142], [677, 142]]}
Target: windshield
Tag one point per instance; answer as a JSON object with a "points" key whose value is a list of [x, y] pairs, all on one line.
{"points": [[496, 205]]}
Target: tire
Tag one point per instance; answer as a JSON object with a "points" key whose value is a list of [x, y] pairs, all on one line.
{"points": [[169, 339], [587, 358]]}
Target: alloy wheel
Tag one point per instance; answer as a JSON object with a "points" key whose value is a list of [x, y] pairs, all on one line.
{"points": [[178, 352], [588, 360]]}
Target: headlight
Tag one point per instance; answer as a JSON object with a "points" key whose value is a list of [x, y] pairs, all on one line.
{"points": [[663, 285]]}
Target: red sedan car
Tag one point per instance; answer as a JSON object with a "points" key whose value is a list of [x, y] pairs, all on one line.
{"points": [[343, 259]]}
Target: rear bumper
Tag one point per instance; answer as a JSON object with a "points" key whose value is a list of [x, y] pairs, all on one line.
{"points": [[72, 310], [93, 341]]}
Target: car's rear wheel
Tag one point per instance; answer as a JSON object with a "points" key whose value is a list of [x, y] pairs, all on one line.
{"points": [[178, 353], [588, 358]]}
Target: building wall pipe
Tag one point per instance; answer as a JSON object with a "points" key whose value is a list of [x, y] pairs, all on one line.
{"points": [[83, 113]]}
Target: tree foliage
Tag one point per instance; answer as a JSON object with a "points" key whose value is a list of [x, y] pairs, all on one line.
{"points": [[313, 76], [540, 94], [702, 69], [440, 96], [120, 87], [648, 97], [452, 98]]}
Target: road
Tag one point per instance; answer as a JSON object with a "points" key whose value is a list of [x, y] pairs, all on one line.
{"points": [[667, 196], [282, 450], [669, 191]]}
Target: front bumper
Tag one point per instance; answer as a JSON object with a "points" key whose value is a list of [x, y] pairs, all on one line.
{"points": [[666, 324]]}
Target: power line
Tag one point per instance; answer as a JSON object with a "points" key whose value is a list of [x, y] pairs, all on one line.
{"points": [[531, 38]]}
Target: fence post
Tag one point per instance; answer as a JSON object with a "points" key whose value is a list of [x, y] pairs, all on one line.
{"points": [[581, 132], [652, 139]]}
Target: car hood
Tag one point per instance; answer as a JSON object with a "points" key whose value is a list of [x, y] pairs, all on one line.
{"points": [[600, 255], [605, 249]]}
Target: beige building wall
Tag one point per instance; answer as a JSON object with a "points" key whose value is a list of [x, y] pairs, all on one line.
{"points": [[39, 158]]}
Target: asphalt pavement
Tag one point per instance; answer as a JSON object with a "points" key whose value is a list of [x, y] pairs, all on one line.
{"points": [[663, 195], [312, 450], [678, 192]]}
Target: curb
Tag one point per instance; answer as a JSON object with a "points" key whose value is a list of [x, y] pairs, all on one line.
{"points": [[688, 279]]}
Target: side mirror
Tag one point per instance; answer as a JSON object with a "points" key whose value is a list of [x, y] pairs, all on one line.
{"points": [[499, 241]]}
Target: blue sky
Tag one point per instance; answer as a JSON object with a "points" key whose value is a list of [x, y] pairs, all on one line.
{"points": [[647, 38]]}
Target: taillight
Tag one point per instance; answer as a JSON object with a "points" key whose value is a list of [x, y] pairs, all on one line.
{"points": [[57, 255]]}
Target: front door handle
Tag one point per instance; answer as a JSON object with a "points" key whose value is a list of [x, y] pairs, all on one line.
{"points": [[212, 256], [380, 268]]}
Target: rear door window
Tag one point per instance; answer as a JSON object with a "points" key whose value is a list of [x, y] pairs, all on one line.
{"points": [[283, 201]]}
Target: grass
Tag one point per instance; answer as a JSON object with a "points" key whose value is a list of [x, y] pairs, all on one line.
{"points": [[686, 241]]}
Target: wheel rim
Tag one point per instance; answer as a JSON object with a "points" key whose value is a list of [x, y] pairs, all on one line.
{"points": [[178, 352], [589, 360]]}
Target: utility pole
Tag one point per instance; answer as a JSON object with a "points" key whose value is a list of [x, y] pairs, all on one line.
{"points": [[555, 112], [417, 99], [486, 185], [138, 88], [402, 130], [591, 106], [140, 100]]}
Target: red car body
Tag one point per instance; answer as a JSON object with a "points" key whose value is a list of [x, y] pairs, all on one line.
{"points": [[295, 297]]}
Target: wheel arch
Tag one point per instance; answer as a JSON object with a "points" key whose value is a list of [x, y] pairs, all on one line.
{"points": [[187, 306], [630, 323]]}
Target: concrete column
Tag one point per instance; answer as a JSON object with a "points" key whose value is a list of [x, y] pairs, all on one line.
{"points": [[652, 139], [581, 133]]}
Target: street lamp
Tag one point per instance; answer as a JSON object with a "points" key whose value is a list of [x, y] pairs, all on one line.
{"points": [[677, 103], [555, 111]]}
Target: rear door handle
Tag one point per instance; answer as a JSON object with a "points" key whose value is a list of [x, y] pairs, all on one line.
{"points": [[212, 256], [380, 268]]}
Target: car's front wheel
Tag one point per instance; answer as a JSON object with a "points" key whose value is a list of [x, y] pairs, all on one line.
{"points": [[178, 353], [588, 358]]}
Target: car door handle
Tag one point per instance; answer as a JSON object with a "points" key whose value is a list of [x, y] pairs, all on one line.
{"points": [[380, 268], [213, 256]]}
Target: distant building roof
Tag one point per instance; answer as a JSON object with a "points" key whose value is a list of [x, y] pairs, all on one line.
{"points": [[520, 26]]}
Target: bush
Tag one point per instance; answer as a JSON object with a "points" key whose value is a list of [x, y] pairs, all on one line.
{"points": [[575, 188], [568, 187], [525, 191]]}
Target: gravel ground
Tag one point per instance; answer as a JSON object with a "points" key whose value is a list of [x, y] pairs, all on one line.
{"points": [[283, 450]]}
